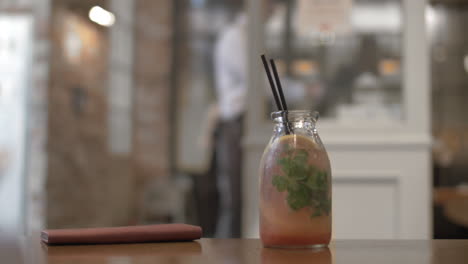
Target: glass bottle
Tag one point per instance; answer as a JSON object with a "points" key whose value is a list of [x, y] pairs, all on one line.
{"points": [[295, 184]]}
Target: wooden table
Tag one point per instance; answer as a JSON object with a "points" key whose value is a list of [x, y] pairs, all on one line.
{"points": [[28, 250]]}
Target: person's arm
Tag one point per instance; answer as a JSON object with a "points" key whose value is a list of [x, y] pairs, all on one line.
{"points": [[209, 124]]}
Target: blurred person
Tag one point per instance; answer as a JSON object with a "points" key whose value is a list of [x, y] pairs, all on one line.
{"points": [[230, 60], [231, 89]]}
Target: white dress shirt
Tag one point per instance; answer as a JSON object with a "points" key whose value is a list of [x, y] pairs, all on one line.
{"points": [[231, 69]]}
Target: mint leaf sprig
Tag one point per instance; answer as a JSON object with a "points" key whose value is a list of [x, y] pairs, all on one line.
{"points": [[306, 185]]}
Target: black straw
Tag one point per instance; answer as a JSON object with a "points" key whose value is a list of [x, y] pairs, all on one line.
{"points": [[281, 104], [281, 95], [272, 85], [278, 85]]}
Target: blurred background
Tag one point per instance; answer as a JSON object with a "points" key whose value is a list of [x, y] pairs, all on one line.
{"points": [[124, 112]]}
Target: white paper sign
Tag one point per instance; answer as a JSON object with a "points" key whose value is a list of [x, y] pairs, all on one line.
{"points": [[323, 16]]}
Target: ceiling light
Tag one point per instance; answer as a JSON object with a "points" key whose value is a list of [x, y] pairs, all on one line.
{"points": [[101, 16]]}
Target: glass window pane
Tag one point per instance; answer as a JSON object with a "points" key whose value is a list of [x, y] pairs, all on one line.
{"points": [[342, 57]]}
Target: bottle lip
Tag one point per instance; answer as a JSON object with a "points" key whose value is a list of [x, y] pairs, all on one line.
{"points": [[295, 115]]}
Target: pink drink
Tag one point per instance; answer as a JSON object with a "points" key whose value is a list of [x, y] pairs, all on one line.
{"points": [[295, 191]]}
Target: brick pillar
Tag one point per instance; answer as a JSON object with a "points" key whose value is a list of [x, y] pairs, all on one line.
{"points": [[92, 180], [153, 47]]}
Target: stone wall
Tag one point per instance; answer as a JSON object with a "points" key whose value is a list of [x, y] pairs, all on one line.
{"points": [[73, 179]]}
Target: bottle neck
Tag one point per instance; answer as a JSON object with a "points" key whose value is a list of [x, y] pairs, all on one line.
{"points": [[296, 126], [296, 121]]}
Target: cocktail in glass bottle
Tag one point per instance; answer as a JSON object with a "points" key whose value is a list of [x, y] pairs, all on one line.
{"points": [[295, 184]]}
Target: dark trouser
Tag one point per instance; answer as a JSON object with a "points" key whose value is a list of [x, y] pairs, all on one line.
{"points": [[207, 198], [229, 174]]}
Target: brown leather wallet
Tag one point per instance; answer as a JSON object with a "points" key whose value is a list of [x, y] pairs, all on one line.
{"points": [[125, 234]]}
